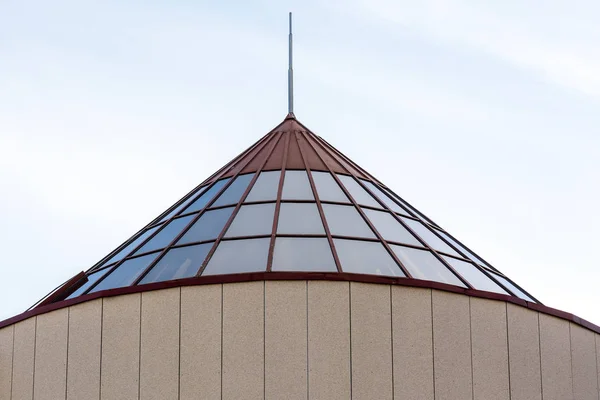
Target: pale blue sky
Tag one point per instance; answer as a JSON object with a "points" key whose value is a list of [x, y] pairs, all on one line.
{"points": [[484, 115]]}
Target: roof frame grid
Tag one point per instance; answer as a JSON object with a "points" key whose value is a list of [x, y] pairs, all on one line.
{"points": [[271, 249], [319, 206], [211, 252], [364, 217], [423, 242]]}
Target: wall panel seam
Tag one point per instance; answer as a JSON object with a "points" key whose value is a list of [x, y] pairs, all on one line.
{"points": [[571, 361], [140, 351], [540, 350], [34, 357], [597, 371], [392, 340], [178, 352], [508, 351], [264, 339], [221, 341], [101, 347], [67, 361], [432, 343], [12, 362], [350, 330], [471, 350], [307, 359]]}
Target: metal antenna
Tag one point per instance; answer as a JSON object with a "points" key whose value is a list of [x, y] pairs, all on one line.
{"points": [[290, 74]]}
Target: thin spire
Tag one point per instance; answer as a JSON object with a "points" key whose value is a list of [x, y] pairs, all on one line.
{"points": [[290, 74]]}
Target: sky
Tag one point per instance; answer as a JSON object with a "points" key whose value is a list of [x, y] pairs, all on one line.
{"points": [[481, 114]]}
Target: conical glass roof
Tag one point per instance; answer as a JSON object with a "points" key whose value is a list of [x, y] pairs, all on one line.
{"points": [[292, 203]]}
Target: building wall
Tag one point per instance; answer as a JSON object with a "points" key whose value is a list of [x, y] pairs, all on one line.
{"points": [[298, 340]]}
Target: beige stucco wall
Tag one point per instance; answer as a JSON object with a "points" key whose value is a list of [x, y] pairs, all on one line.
{"points": [[298, 340]]}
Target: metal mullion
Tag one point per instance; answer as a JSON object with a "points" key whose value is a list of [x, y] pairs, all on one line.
{"points": [[466, 248], [259, 202], [286, 146], [238, 206], [359, 238], [418, 213], [405, 225], [319, 206], [234, 238], [302, 235], [337, 203], [361, 212], [343, 157], [193, 220]]}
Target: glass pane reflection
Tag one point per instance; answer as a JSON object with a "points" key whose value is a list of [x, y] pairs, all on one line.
{"points": [[429, 237], [234, 192], [360, 195], [252, 220], [92, 278], [208, 226], [296, 186], [126, 273], [389, 228], [265, 187], [185, 203], [475, 277], [507, 284], [166, 235], [422, 264], [385, 198], [299, 218], [346, 221], [303, 254], [179, 263], [466, 252], [361, 257], [327, 187], [207, 196], [129, 248], [235, 256]]}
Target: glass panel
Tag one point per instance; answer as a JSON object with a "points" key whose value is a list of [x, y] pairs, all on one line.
{"points": [[253, 220], [346, 221], [235, 256], [125, 252], [234, 192], [474, 276], [512, 288], [299, 218], [208, 227], [467, 253], [327, 187], [385, 198], [360, 195], [185, 203], [207, 196], [265, 187], [303, 254], [422, 264], [389, 228], [408, 207], [126, 273], [179, 263], [429, 237], [361, 257], [166, 235], [92, 278], [296, 186]]}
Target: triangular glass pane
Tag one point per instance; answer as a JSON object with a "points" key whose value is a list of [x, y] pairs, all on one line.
{"points": [[166, 235], [131, 246], [389, 228], [296, 186], [299, 218], [208, 226], [466, 252], [408, 207], [126, 273], [475, 277], [185, 203], [206, 197], [362, 257], [252, 220], [303, 254], [327, 187], [92, 278], [236, 256], [233, 193], [429, 237], [360, 195], [422, 264], [265, 187], [179, 263], [346, 221], [507, 284], [385, 198]]}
